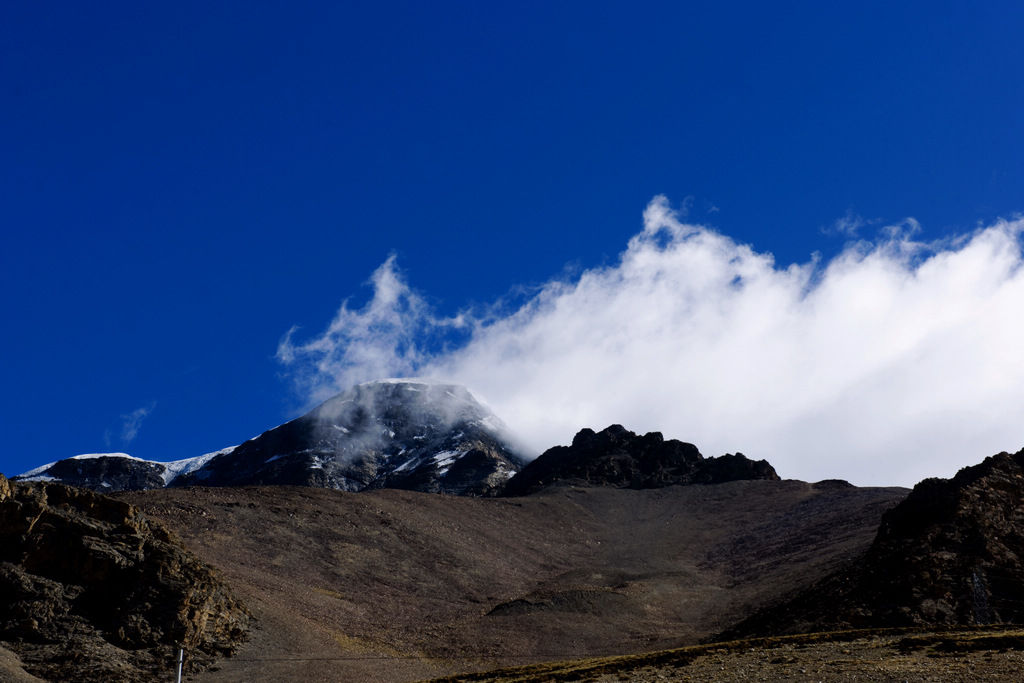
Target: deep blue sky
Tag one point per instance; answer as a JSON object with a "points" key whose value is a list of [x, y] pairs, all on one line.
{"points": [[181, 183]]}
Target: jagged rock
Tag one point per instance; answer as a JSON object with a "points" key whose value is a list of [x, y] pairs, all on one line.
{"points": [[91, 590], [952, 553], [619, 458]]}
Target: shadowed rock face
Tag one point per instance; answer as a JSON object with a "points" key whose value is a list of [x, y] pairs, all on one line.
{"points": [[91, 590], [619, 458], [952, 553]]}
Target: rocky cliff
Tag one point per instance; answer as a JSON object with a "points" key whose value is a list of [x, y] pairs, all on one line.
{"points": [[617, 457], [92, 590]]}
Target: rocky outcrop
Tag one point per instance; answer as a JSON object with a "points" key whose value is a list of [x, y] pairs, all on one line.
{"points": [[92, 590], [618, 458], [952, 553]]}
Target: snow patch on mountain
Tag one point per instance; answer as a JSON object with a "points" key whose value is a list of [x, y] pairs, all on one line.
{"points": [[177, 468], [168, 471], [37, 474]]}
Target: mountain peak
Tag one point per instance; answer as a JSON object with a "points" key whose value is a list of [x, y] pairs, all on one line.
{"points": [[408, 433], [435, 402]]}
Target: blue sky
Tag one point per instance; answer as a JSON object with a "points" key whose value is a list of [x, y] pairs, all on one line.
{"points": [[184, 183]]}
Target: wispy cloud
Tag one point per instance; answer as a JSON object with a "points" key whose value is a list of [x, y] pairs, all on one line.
{"points": [[896, 360], [132, 422], [848, 225], [390, 336]]}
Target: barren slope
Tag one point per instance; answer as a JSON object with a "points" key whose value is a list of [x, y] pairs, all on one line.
{"points": [[948, 555], [394, 585]]}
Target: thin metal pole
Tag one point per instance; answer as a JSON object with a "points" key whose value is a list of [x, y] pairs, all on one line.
{"points": [[181, 658]]}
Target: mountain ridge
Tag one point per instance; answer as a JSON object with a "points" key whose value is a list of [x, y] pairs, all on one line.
{"points": [[413, 434], [395, 433], [393, 584]]}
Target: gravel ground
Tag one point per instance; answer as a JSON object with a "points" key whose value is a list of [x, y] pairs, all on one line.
{"points": [[872, 659], [990, 654]]}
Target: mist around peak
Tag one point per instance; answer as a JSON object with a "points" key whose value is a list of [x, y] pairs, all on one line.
{"points": [[416, 434]]}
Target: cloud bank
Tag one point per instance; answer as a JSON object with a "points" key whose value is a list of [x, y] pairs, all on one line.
{"points": [[894, 361]]}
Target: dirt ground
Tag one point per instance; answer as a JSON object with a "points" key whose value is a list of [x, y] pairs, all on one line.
{"points": [[865, 660], [947, 657], [391, 586]]}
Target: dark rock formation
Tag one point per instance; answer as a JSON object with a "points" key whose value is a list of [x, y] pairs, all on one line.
{"points": [[617, 457], [952, 553], [404, 434], [91, 590], [105, 473]]}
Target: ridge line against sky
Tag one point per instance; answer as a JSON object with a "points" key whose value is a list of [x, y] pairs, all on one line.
{"points": [[884, 364], [183, 183]]}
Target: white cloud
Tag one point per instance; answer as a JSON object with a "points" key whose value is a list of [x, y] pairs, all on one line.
{"points": [[387, 337], [895, 361], [132, 422]]}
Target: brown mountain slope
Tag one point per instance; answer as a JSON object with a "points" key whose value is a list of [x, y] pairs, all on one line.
{"points": [[949, 555], [393, 585]]}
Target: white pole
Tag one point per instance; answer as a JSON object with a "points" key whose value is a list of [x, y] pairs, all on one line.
{"points": [[181, 658]]}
